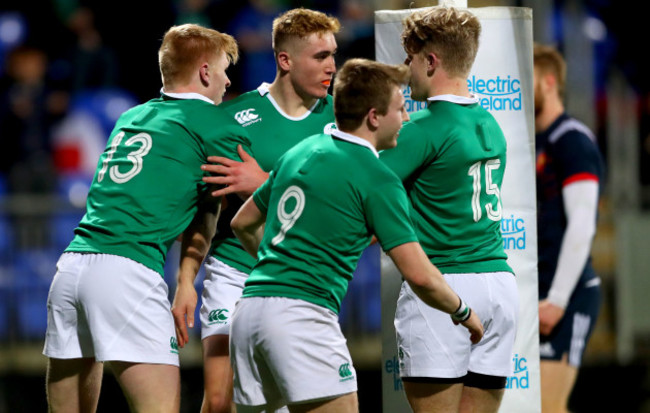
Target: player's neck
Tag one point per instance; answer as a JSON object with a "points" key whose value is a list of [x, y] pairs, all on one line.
{"points": [[553, 108], [365, 134], [286, 96], [443, 85]]}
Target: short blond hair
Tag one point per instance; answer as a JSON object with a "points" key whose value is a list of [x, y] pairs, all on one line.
{"points": [[549, 61], [450, 33], [185, 45], [300, 23], [361, 85]]}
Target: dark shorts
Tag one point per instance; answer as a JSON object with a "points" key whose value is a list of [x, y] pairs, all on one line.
{"points": [[571, 334]]}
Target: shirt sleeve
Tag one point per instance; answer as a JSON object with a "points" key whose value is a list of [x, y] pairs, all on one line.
{"points": [[581, 206], [578, 158], [413, 150], [387, 214]]}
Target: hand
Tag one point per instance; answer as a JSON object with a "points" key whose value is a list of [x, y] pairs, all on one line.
{"points": [[185, 299], [549, 315], [475, 327], [241, 178]]}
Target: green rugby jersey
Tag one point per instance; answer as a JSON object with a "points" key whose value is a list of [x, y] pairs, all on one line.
{"points": [[323, 201], [272, 133], [148, 180], [451, 157]]}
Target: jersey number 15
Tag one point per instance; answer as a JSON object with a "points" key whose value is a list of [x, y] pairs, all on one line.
{"points": [[493, 210]]}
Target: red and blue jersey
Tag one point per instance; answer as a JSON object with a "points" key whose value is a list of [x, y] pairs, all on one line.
{"points": [[567, 152]]}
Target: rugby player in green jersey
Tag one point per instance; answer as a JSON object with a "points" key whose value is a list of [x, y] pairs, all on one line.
{"points": [[276, 116], [322, 203], [108, 300], [451, 157]]}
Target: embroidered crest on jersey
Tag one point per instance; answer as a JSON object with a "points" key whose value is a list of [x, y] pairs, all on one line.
{"points": [[247, 117], [329, 128]]}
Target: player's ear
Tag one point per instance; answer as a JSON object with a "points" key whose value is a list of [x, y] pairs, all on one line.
{"points": [[284, 61], [204, 74], [432, 62], [372, 117]]}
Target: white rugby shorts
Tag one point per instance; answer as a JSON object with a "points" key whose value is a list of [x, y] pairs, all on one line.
{"points": [[430, 345], [222, 287], [111, 308], [287, 351]]}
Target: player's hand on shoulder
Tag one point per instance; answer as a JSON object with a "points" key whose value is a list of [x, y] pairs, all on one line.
{"points": [[239, 177]]}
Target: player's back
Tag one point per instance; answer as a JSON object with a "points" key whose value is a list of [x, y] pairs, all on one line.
{"points": [[148, 180], [320, 217], [454, 184]]}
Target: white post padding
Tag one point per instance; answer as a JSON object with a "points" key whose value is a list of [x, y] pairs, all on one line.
{"points": [[502, 78]]}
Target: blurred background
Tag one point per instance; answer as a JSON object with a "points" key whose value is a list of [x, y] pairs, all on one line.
{"points": [[69, 68]]}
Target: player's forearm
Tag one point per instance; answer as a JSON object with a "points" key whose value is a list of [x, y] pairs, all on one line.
{"points": [[250, 239], [248, 226], [425, 279], [581, 205], [196, 239]]}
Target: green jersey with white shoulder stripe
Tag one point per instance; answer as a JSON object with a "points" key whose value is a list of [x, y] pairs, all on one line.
{"points": [[272, 133], [147, 185], [324, 200], [451, 157]]}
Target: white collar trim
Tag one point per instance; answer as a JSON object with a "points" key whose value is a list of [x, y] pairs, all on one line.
{"points": [[461, 100], [354, 139], [264, 90], [190, 95]]}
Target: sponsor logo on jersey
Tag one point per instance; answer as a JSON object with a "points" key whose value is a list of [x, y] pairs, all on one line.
{"points": [[513, 231], [218, 316], [173, 345], [520, 378], [247, 117], [329, 128], [392, 367], [497, 93], [412, 105], [345, 373]]}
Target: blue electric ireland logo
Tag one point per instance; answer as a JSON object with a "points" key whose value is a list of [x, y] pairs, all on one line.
{"points": [[392, 367], [498, 93], [513, 232], [520, 379]]}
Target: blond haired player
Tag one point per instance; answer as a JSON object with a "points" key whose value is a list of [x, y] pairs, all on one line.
{"points": [[451, 157], [108, 300], [276, 116]]}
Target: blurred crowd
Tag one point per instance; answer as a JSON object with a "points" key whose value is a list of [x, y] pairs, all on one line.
{"points": [[68, 68]]}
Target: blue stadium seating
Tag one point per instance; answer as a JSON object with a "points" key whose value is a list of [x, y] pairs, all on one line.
{"points": [[33, 272], [361, 308]]}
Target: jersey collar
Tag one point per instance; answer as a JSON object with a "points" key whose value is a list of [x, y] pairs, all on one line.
{"points": [[191, 95], [354, 139], [460, 100], [263, 90]]}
